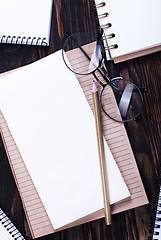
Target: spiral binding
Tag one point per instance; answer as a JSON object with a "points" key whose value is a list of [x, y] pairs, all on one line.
{"points": [[108, 36], [23, 40], [102, 4], [103, 15], [157, 225], [156, 229], [114, 46], [104, 26], [9, 226]]}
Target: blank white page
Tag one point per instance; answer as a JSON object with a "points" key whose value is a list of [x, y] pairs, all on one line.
{"points": [[4, 234], [25, 21], [54, 129]]}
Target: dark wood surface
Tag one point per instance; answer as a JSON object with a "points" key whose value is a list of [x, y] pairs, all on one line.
{"points": [[145, 136]]}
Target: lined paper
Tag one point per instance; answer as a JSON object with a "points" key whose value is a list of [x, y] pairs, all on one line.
{"points": [[57, 140], [117, 139], [114, 133], [35, 212]]}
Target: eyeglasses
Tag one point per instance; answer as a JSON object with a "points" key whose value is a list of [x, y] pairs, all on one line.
{"points": [[83, 54]]}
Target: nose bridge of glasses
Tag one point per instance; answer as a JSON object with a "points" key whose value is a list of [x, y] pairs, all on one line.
{"points": [[101, 83], [99, 33]]}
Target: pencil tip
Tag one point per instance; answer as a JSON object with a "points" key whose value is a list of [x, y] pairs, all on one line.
{"points": [[94, 88]]}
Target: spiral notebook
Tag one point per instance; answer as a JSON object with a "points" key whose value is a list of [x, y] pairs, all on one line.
{"points": [[8, 231], [25, 22], [157, 224], [131, 28]]}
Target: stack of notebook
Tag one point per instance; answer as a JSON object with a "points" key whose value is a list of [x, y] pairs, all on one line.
{"points": [[49, 135]]}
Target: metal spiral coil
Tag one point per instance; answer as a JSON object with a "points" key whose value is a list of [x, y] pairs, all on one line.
{"points": [[114, 46], [155, 231], [102, 4], [103, 15], [104, 26], [112, 35], [23, 40]]}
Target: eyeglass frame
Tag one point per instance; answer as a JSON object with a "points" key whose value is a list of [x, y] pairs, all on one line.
{"points": [[104, 74]]}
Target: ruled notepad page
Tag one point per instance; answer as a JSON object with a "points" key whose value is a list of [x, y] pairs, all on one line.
{"points": [[38, 220], [116, 137]]}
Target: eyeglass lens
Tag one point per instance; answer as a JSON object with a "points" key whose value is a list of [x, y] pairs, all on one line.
{"points": [[127, 97], [86, 53]]}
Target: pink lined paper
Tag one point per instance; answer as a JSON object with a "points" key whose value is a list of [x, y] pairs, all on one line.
{"points": [[36, 215], [115, 135]]}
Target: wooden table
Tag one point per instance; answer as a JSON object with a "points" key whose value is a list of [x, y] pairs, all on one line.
{"points": [[145, 136]]}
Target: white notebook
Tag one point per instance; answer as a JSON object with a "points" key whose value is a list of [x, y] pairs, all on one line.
{"points": [[157, 224], [54, 130], [136, 25], [8, 231], [25, 22]]}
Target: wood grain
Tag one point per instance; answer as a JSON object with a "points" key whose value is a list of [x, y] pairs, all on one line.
{"points": [[145, 136]]}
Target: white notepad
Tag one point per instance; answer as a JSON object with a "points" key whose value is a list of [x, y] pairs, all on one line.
{"points": [[136, 25], [25, 22], [54, 129]]}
